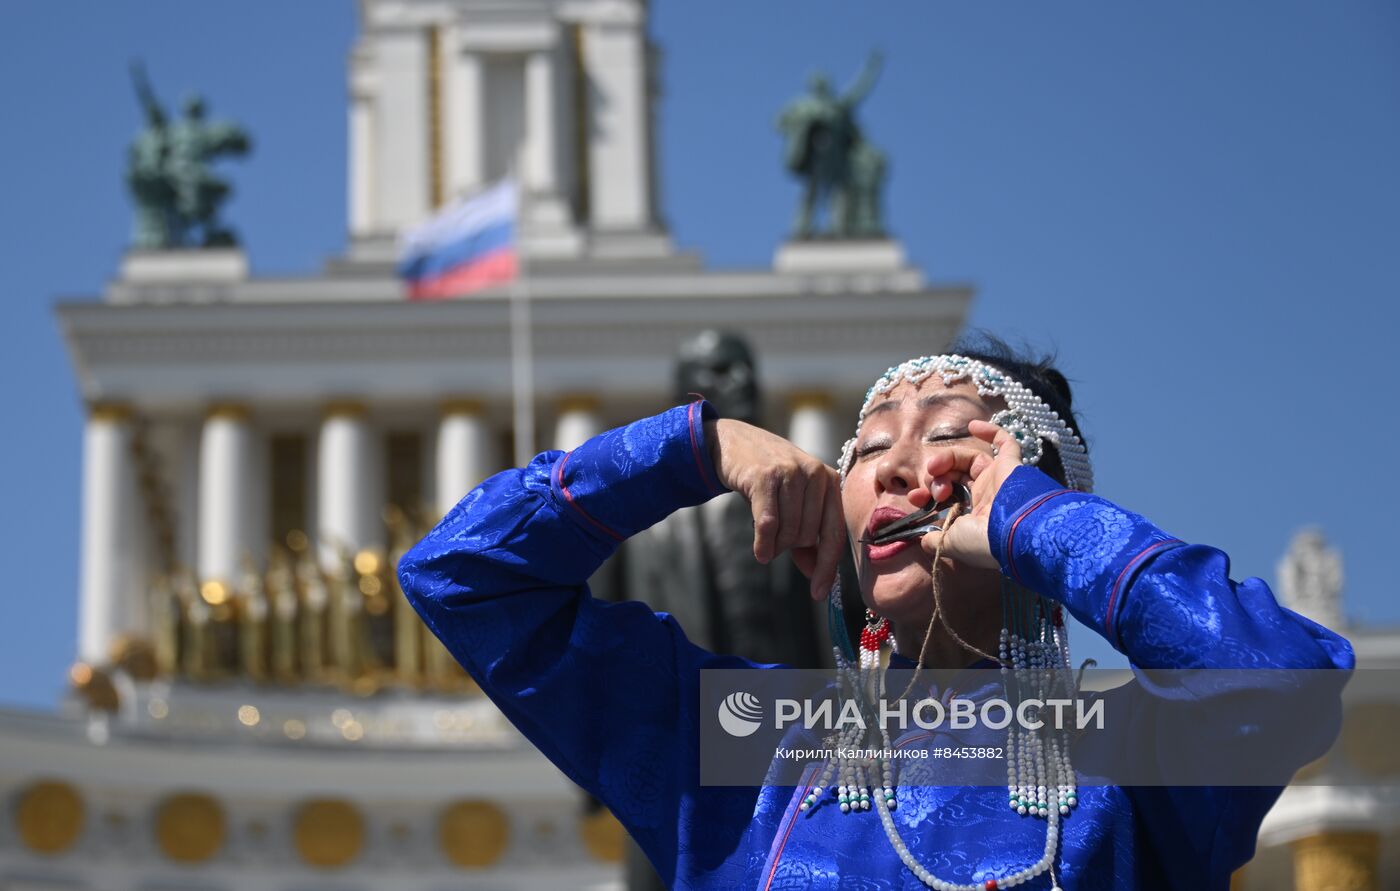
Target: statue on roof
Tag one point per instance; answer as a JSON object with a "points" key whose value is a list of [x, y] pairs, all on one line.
{"points": [[1310, 578], [826, 150], [168, 171]]}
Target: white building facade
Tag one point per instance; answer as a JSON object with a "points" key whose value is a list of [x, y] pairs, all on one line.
{"points": [[255, 705]]}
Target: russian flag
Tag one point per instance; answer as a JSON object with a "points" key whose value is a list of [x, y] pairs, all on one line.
{"points": [[470, 245]]}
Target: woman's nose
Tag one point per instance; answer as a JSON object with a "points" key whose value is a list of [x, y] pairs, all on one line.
{"points": [[898, 471]]}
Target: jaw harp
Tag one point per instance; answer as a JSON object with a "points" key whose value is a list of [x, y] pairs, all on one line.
{"points": [[922, 521]]}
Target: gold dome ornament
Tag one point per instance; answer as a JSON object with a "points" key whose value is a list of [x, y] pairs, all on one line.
{"points": [[473, 834], [190, 827], [49, 815], [134, 655], [328, 832], [94, 686]]}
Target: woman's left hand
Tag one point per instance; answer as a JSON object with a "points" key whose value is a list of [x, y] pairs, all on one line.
{"points": [[966, 540]]}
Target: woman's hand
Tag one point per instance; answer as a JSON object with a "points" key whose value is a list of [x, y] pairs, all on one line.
{"points": [[966, 540], [795, 499]]}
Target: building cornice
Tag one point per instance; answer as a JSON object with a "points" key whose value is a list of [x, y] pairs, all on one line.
{"points": [[393, 349]]}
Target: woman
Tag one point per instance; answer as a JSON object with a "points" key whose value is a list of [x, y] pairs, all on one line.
{"points": [[609, 691]]}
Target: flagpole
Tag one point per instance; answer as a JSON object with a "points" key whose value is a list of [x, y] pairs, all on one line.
{"points": [[522, 356]]}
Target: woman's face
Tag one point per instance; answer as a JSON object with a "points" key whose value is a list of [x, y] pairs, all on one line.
{"points": [[900, 433]]}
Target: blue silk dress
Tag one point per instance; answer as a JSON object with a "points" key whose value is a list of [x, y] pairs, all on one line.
{"points": [[608, 691]]}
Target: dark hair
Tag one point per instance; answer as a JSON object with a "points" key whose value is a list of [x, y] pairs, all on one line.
{"points": [[1038, 374]]}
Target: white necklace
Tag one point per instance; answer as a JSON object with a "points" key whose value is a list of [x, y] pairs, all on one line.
{"points": [[1034, 652], [1033, 648]]}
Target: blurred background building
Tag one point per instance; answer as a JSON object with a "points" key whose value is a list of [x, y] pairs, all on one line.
{"points": [[255, 704], [1338, 826]]}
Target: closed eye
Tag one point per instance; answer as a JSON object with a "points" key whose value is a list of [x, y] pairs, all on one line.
{"points": [[871, 448], [951, 436]]}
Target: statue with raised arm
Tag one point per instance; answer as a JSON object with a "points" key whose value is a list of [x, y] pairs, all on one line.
{"points": [[825, 148], [168, 170], [145, 170]]}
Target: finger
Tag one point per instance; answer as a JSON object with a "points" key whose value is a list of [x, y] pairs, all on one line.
{"points": [[810, 526], [952, 460], [805, 559], [921, 496], [764, 505], [980, 465], [930, 541], [790, 495], [945, 486], [1004, 443], [831, 544]]}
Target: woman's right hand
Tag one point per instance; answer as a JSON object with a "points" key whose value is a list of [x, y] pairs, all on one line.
{"points": [[795, 498]]}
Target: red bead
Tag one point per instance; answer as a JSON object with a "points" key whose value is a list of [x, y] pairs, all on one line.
{"points": [[991, 885]]}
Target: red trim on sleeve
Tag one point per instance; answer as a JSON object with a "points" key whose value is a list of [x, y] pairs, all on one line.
{"points": [[1011, 533], [1117, 583], [575, 505], [695, 450]]}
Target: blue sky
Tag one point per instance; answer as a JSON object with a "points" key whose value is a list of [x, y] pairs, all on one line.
{"points": [[1197, 204]]}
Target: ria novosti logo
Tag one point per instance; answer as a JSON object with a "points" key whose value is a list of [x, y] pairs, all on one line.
{"points": [[740, 714]]}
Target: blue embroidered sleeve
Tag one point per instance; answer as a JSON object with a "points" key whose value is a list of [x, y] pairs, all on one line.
{"points": [[1167, 604], [606, 691], [1162, 602]]}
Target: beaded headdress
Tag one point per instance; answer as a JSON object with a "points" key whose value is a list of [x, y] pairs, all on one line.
{"points": [[1033, 644], [1026, 416]]}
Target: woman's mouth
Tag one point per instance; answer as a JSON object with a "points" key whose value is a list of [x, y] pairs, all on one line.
{"points": [[881, 517], [876, 553]]}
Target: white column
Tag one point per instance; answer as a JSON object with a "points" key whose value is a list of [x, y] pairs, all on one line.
{"points": [[578, 422], [465, 118], [541, 133], [810, 427], [225, 503], [467, 451], [619, 152], [348, 491], [401, 127], [109, 491], [566, 62], [360, 166]]}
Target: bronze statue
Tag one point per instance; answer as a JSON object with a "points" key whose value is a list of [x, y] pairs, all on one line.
{"points": [[407, 643], [165, 624], [697, 564], [282, 602], [168, 171], [311, 589], [252, 621], [827, 151]]}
